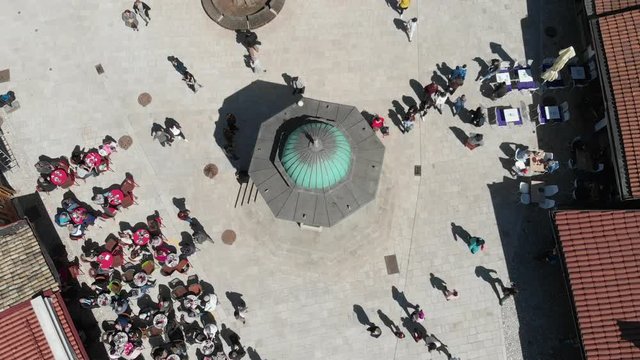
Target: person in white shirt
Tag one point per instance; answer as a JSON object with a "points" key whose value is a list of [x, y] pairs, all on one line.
{"points": [[410, 27]]}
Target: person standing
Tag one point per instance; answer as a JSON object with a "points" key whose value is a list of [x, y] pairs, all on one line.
{"points": [[176, 131], [298, 86], [374, 330], [458, 105], [256, 65], [162, 137], [410, 27], [409, 119], [142, 9], [475, 243], [241, 313], [450, 294], [477, 117], [441, 99], [177, 64], [130, 19], [402, 6], [508, 292]]}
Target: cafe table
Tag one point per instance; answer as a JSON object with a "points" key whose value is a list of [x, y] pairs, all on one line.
{"points": [[58, 177], [141, 237]]}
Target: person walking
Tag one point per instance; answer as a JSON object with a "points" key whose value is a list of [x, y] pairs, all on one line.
{"points": [[374, 330], [429, 101], [458, 105], [450, 294], [142, 9], [162, 137], [254, 61], [130, 19], [476, 244], [418, 314], [191, 82], [440, 100], [176, 131], [241, 313], [477, 116], [402, 6], [508, 292], [409, 119], [410, 27]]}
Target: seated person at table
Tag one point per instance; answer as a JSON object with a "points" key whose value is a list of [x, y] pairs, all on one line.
{"points": [[83, 171], [44, 167], [45, 185], [63, 218], [77, 155], [499, 91], [477, 117]]}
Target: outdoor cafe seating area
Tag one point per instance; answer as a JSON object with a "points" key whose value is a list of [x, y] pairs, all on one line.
{"points": [[123, 270]]}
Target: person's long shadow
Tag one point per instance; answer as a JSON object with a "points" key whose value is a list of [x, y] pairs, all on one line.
{"points": [[397, 114], [361, 315], [253, 354], [508, 164], [484, 67], [179, 203], [386, 321], [367, 116], [444, 69], [439, 80], [437, 283], [509, 148], [417, 88], [401, 299], [459, 134], [459, 232], [409, 101], [399, 24], [486, 275], [499, 50]]}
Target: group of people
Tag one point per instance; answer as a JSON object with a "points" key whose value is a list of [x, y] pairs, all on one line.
{"points": [[62, 172], [169, 133], [131, 20], [229, 134], [187, 77], [249, 40]]}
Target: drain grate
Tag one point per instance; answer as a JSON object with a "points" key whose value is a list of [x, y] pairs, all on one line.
{"points": [[417, 170], [99, 69], [392, 264]]}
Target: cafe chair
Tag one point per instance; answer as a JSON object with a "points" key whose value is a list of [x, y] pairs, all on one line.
{"points": [[524, 187], [127, 276], [525, 199], [548, 156], [550, 190], [566, 115], [148, 267], [547, 204]]}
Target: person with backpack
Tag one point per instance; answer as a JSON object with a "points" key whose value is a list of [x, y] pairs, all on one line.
{"points": [[477, 117]]}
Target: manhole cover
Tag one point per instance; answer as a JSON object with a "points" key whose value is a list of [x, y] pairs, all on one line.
{"points": [[417, 170], [550, 31], [210, 171], [144, 99], [125, 142], [228, 237]]}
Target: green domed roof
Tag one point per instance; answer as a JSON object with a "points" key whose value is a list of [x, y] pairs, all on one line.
{"points": [[316, 155]]}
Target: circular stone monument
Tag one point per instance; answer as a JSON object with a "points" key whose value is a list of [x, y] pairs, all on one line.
{"points": [[125, 142], [242, 14], [228, 237]]}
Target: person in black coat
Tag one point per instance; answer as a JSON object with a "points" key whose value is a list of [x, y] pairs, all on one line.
{"points": [[142, 9]]}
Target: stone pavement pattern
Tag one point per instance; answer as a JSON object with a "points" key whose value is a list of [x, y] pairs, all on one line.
{"points": [[300, 286]]}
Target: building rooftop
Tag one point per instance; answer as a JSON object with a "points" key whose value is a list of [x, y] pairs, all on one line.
{"points": [[24, 270], [602, 257]]}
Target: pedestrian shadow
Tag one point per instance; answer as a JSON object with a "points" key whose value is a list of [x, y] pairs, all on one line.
{"points": [[465, 116], [502, 54], [409, 101], [439, 80], [486, 275], [179, 203], [226, 334], [367, 116], [401, 299], [418, 89], [288, 79], [444, 69], [509, 148], [253, 354], [361, 315], [484, 67], [397, 114], [386, 321], [437, 283], [460, 233], [399, 24], [507, 164], [459, 134], [486, 90]]}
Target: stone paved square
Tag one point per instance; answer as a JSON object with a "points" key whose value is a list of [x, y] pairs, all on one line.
{"points": [[300, 286]]}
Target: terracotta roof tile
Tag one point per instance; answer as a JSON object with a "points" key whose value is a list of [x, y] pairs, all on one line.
{"points": [[603, 268], [24, 271], [613, 5], [22, 337], [620, 39]]}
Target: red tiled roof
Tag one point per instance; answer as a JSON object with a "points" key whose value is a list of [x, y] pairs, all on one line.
{"points": [[602, 256], [613, 5], [620, 34], [22, 337]]}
